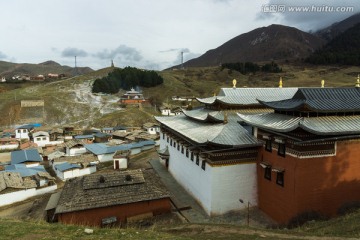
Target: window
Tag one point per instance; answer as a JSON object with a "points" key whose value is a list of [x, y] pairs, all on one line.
{"points": [[178, 147], [174, 144], [24, 130], [38, 139], [281, 149], [280, 178], [203, 164], [187, 153], [192, 156], [268, 145], [19, 131], [44, 139], [182, 149], [197, 159], [167, 139], [170, 142], [163, 135], [267, 174]]}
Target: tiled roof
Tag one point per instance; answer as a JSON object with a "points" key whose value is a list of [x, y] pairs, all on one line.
{"points": [[249, 96], [110, 189], [230, 134], [327, 125], [28, 155], [320, 100]]}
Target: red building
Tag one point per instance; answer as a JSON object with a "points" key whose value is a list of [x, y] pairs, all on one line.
{"points": [[112, 198], [133, 97], [309, 161]]}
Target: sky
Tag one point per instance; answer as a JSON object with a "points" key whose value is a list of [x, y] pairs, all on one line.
{"points": [[149, 34]]}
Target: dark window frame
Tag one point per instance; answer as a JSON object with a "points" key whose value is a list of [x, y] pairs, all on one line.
{"points": [[192, 156], [203, 164], [282, 149], [197, 160], [182, 149], [280, 179], [187, 153], [267, 173], [268, 145]]}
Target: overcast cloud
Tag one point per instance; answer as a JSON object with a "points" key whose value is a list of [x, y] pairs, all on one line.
{"points": [[142, 33]]}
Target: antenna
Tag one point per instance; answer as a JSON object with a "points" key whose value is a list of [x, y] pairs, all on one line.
{"points": [[182, 60]]}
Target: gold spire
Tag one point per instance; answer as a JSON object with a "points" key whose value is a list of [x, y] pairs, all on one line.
{"points": [[225, 118], [357, 81], [234, 83], [280, 82], [322, 83]]}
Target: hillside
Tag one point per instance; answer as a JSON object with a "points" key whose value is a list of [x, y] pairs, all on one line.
{"points": [[275, 42], [337, 28], [70, 101], [9, 69], [346, 227], [343, 49]]}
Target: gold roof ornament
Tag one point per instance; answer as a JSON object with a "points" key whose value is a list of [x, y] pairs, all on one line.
{"points": [[323, 83], [357, 81], [214, 94], [234, 83], [280, 82], [225, 118]]}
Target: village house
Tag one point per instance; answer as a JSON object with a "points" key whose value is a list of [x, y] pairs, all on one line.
{"points": [[8, 144], [152, 128], [3, 79], [22, 132], [110, 199], [167, 111], [41, 138], [74, 147], [29, 157], [210, 154], [309, 159]]}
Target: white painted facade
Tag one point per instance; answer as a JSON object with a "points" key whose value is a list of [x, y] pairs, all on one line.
{"points": [[74, 172], [153, 130], [9, 146], [74, 151], [41, 138], [121, 163], [22, 133], [106, 157], [218, 189], [22, 195]]}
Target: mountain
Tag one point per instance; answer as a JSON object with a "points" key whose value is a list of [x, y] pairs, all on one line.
{"points": [[343, 49], [275, 42], [335, 29], [9, 69]]}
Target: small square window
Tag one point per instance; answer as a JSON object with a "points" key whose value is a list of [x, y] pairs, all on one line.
{"points": [[197, 159], [267, 173], [281, 149], [24, 131], [268, 145], [280, 178], [203, 164]]}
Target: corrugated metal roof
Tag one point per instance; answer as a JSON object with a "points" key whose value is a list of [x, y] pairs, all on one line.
{"points": [[84, 136], [28, 155], [23, 170], [62, 167], [249, 96], [326, 125], [101, 148], [230, 134], [320, 100]]}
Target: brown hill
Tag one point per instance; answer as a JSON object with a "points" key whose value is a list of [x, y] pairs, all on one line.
{"points": [[8, 69], [337, 28], [275, 42]]}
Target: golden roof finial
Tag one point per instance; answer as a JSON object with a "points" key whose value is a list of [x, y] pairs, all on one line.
{"points": [[234, 83], [280, 82], [225, 118], [214, 94], [357, 81], [322, 83]]}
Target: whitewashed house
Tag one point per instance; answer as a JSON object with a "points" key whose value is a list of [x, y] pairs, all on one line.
{"points": [[121, 159], [67, 170], [41, 138], [2, 79], [22, 132], [29, 157], [8, 144], [74, 147], [152, 128]]}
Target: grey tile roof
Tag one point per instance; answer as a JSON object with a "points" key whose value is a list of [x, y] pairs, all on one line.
{"points": [[327, 125], [320, 100], [110, 189], [230, 134], [28, 155], [249, 96], [204, 115]]}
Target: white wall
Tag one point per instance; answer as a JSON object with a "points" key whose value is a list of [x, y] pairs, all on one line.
{"points": [[23, 134], [75, 172], [218, 189], [41, 141], [106, 157], [122, 163], [9, 146], [134, 151], [75, 151], [21, 195]]}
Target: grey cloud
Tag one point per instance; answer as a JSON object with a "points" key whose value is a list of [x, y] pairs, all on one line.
{"points": [[71, 52], [123, 52], [308, 20], [3, 55]]}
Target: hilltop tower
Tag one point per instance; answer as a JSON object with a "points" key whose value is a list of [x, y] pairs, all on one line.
{"points": [[112, 63]]}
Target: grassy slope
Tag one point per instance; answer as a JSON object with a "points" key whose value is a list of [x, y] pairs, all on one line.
{"points": [[337, 228], [61, 107]]}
